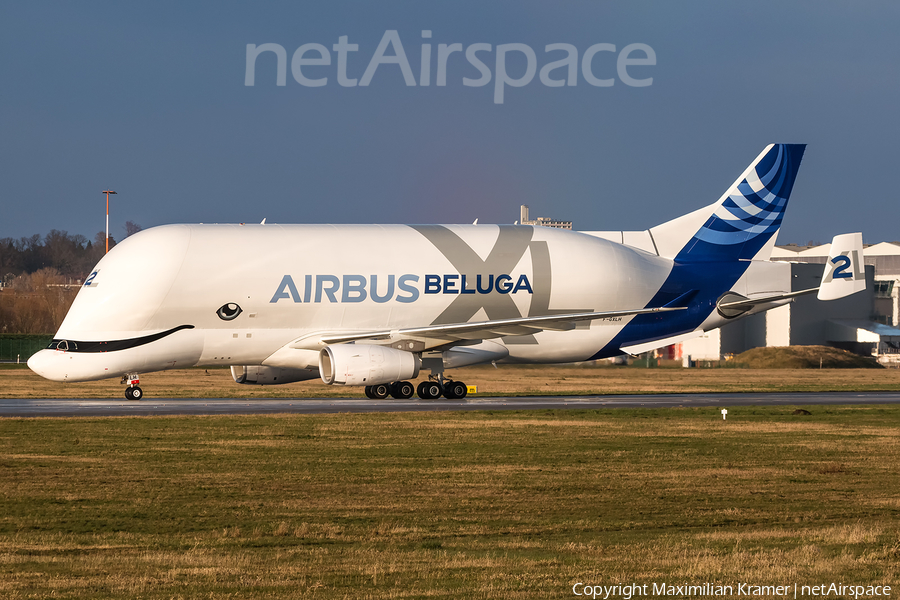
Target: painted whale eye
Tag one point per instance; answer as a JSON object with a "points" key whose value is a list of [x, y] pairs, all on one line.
{"points": [[228, 311]]}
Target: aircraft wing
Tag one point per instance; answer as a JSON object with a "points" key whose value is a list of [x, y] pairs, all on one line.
{"points": [[436, 335]]}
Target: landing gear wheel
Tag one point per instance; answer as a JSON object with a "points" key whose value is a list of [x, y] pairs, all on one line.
{"points": [[134, 393], [429, 390], [380, 391], [455, 390], [369, 392], [401, 390]]}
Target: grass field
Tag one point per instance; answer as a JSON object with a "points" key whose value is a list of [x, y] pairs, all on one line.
{"points": [[446, 505], [19, 382]]}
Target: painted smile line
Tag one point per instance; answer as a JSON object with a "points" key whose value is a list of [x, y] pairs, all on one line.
{"points": [[112, 345]]}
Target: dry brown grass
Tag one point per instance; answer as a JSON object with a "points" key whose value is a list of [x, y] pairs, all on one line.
{"points": [[507, 379], [445, 505]]}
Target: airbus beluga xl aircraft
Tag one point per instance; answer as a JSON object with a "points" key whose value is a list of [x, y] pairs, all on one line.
{"points": [[371, 305]]}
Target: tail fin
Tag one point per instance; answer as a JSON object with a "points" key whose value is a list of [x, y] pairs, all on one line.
{"points": [[743, 224], [845, 273]]}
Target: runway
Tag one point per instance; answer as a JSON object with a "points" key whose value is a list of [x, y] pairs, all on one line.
{"points": [[69, 407]]}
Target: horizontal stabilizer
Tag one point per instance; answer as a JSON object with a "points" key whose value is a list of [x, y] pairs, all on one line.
{"points": [[733, 305], [845, 273]]}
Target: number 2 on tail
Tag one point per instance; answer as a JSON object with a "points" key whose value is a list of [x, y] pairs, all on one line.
{"points": [[840, 270]]}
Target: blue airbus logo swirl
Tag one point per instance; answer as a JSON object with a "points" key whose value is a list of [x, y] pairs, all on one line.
{"points": [[752, 212], [756, 206]]}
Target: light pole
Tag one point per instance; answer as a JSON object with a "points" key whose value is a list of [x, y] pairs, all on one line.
{"points": [[107, 192]]}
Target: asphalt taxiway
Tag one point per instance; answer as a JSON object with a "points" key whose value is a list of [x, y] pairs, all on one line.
{"points": [[71, 407]]}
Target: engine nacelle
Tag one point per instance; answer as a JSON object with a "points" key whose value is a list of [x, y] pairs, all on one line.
{"points": [[262, 375], [362, 364]]}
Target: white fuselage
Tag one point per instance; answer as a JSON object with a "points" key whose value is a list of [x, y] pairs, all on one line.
{"points": [[295, 282]]}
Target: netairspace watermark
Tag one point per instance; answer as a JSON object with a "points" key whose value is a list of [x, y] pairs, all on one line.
{"points": [[742, 590], [312, 64]]}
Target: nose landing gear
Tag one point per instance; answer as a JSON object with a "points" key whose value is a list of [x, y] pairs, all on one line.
{"points": [[132, 392]]}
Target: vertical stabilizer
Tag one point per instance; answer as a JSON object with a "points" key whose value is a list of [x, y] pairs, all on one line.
{"points": [[743, 224]]}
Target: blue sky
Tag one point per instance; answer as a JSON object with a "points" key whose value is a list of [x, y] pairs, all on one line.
{"points": [[150, 100]]}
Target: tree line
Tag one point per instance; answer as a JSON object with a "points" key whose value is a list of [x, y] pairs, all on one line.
{"points": [[39, 277], [36, 302]]}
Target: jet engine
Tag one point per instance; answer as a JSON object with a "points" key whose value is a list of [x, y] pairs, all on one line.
{"points": [[363, 364], [262, 375]]}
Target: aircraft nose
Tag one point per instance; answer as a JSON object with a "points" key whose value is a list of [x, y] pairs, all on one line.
{"points": [[48, 364]]}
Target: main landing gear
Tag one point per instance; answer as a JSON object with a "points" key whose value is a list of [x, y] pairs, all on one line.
{"points": [[455, 390], [452, 390], [427, 390], [401, 390], [435, 387], [132, 392]]}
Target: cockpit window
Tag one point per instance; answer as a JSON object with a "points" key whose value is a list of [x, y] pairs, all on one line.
{"points": [[63, 345]]}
